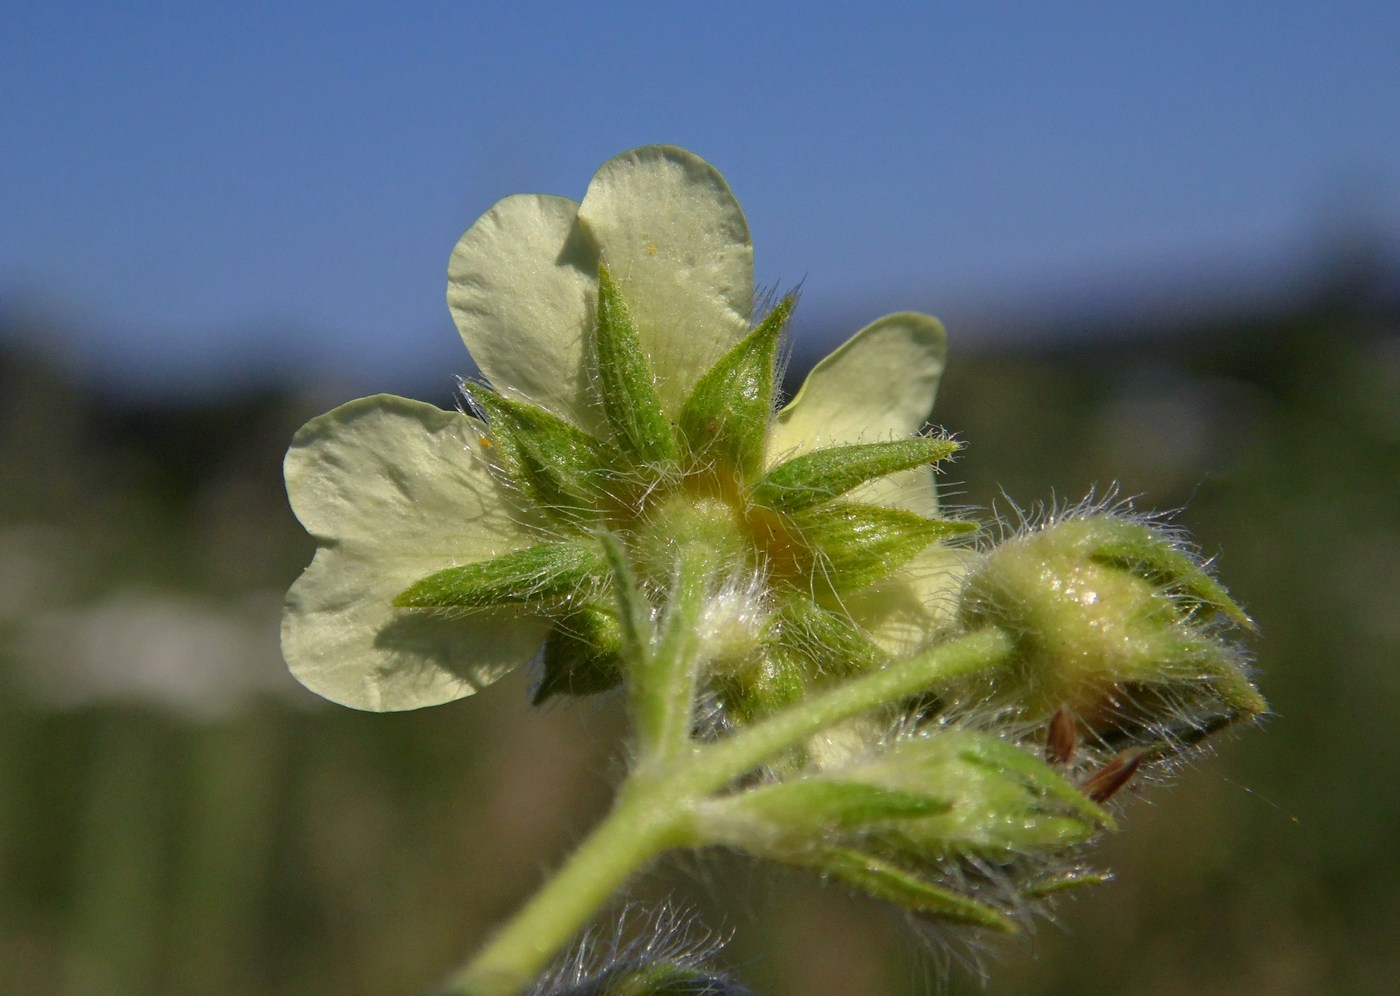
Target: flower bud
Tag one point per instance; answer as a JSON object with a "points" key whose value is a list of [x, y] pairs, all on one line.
{"points": [[1105, 609], [647, 978], [898, 822], [661, 953]]}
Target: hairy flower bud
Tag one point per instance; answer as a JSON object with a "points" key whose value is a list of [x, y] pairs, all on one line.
{"points": [[897, 822], [1102, 608]]}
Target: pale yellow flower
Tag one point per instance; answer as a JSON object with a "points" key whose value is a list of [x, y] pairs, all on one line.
{"points": [[394, 490]]}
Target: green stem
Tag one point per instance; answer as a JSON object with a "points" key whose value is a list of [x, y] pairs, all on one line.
{"points": [[663, 667], [640, 826], [720, 763], [665, 683], [655, 804]]}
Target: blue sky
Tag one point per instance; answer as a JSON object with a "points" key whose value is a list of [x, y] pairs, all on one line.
{"points": [[186, 188]]}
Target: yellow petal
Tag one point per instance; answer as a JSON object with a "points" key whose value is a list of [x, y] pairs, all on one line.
{"points": [[901, 612], [393, 490], [521, 284], [878, 385], [676, 241]]}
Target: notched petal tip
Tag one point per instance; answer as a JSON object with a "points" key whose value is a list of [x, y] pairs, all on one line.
{"points": [[673, 235], [344, 640], [879, 384], [520, 286], [394, 490]]}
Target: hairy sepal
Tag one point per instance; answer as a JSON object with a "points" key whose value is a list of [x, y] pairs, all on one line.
{"points": [[827, 643], [724, 422], [816, 478], [582, 655], [854, 544], [562, 468], [546, 576], [885, 880], [807, 805], [1149, 553], [805, 644], [631, 403], [774, 680]]}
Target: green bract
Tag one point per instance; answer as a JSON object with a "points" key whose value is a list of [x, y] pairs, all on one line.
{"points": [[631, 399]]}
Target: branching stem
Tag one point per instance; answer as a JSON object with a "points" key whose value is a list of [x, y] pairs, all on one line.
{"points": [[654, 807]]}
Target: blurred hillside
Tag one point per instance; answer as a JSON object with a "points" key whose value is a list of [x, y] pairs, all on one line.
{"points": [[177, 816]]}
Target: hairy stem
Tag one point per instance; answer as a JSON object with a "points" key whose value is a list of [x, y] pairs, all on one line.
{"points": [[640, 826], [716, 765], [654, 807], [664, 694]]}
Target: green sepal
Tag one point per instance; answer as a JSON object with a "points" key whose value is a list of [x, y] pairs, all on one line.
{"points": [[1052, 885], [820, 805], [823, 643], [961, 763], [546, 575], [814, 478], [805, 645], [725, 419], [581, 655], [775, 681], [561, 467], [633, 618], [854, 544], [1149, 553], [1040, 782], [1236, 690], [631, 403], [1192, 654], [886, 881], [1004, 802]]}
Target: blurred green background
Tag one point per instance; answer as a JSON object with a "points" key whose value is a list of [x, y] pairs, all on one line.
{"points": [[179, 817]]}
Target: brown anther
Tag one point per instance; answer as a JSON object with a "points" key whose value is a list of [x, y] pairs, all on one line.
{"points": [[1103, 784], [1061, 737]]}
